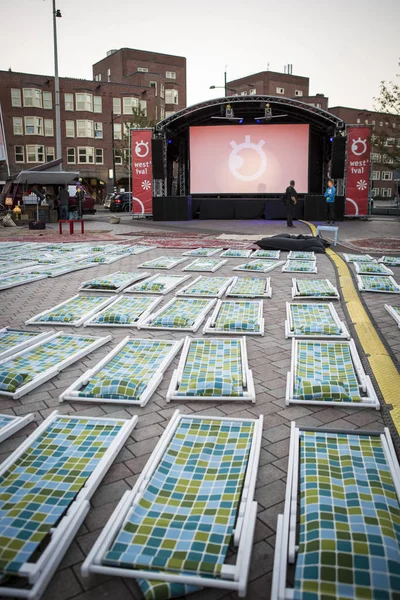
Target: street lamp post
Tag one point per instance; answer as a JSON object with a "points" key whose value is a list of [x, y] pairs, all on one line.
{"points": [[113, 117], [56, 14]]}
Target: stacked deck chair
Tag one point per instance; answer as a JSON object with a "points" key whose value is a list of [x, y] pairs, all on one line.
{"points": [[250, 287], [351, 258], [10, 424], [14, 340], [269, 254], [328, 373], [205, 264], [372, 268], [124, 311], [348, 543], [206, 287], [236, 253], [259, 265], [378, 283], [45, 489], [392, 261], [114, 283], [56, 270], [9, 268], [215, 369], [133, 250], [15, 279], [157, 284], [394, 311], [193, 500], [299, 255], [202, 252], [102, 259], [129, 374], [236, 317], [314, 288], [314, 321], [26, 370], [162, 262], [299, 266], [72, 312], [179, 314]]}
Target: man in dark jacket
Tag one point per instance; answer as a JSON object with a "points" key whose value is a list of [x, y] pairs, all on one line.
{"points": [[290, 202]]}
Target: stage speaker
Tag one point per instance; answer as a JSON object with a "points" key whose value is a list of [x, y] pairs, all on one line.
{"points": [[172, 208], [338, 157], [157, 147], [314, 208]]}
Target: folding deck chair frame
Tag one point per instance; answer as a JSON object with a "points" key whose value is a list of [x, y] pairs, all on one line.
{"points": [[286, 547], [225, 253], [16, 284], [296, 295], [148, 264], [131, 281], [361, 287], [370, 400], [313, 266], [289, 326], [258, 254], [221, 291], [210, 252], [72, 393], [249, 393], [53, 270], [41, 335], [267, 288], [14, 425], [210, 325], [393, 261], [292, 255], [146, 323], [92, 322], [352, 258], [233, 577], [393, 314], [108, 259], [192, 266], [36, 319], [179, 280], [55, 370], [39, 573], [385, 269], [270, 267]]}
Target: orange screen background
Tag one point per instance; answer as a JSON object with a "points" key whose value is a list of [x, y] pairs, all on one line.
{"points": [[240, 159]]}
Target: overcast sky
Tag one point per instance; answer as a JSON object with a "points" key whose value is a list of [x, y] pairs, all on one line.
{"points": [[346, 47]]}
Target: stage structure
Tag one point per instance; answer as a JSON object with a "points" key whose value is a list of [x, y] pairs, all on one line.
{"points": [[233, 157]]}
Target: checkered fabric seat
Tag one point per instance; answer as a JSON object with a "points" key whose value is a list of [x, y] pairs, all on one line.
{"points": [[206, 286], [273, 254], [379, 283], [325, 371], [349, 543], [111, 282], [249, 287], [236, 253], [258, 265], [358, 257], [182, 313], [371, 267], [38, 488], [299, 255], [213, 368], [238, 316], [17, 279], [14, 337], [202, 252], [393, 261], [163, 262], [125, 311], [309, 319], [315, 287], [72, 310], [158, 284], [204, 264], [305, 266]]}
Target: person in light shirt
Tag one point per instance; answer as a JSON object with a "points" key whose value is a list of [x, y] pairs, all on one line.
{"points": [[330, 195]]}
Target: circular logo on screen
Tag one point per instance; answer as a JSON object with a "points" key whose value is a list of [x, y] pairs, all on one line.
{"points": [[258, 163], [142, 149]]}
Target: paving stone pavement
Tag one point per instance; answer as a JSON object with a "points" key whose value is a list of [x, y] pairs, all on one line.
{"points": [[269, 358]]}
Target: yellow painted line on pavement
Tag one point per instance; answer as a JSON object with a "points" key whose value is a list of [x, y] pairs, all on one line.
{"points": [[382, 365]]}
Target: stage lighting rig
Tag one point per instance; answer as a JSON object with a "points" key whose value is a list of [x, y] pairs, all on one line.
{"points": [[229, 115], [268, 115]]}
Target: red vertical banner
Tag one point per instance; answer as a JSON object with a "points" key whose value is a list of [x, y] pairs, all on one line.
{"points": [[142, 171], [358, 167]]}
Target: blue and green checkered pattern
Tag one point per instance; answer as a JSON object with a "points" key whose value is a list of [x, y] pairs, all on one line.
{"points": [[5, 420], [128, 374], [236, 253], [182, 313], [275, 254], [162, 262], [311, 319], [304, 266], [204, 264], [358, 258], [201, 252], [71, 310], [14, 337], [258, 265], [238, 316], [315, 287], [161, 590], [349, 520], [379, 283], [16, 279], [249, 287], [299, 255], [213, 368], [158, 284], [371, 267], [393, 261], [206, 286], [184, 520], [126, 311], [36, 491], [325, 371], [111, 282]]}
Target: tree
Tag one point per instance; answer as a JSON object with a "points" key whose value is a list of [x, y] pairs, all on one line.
{"points": [[384, 139]]}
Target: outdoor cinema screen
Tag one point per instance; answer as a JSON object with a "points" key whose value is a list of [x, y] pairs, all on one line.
{"points": [[248, 159]]}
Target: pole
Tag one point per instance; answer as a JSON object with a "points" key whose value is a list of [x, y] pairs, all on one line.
{"points": [[3, 138], [56, 89], [130, 171], [225, 88], [113, 151]]}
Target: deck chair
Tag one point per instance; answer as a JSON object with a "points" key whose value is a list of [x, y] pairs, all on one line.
{"points": [[10, 424], [372, 268], [211, 287], [377, 283], [157, 284], [213, 369], [259, 266], [202, 252], [300, 266], [56, 270], [129, 374], [393, 261], [205, 264], [133, 250], [314, 321], [15, 279], [250, 287], [192, 501], [26, 370], [17, 266], [114, 283], [179, 314], [231, 317], [394, 311], [346, 484], [326, 373], [45, 490], [351, 258], [269, 254], [314, 288], [124, 311], [162, 262], [72, 312], [14, 340], [236, 253], [300, 255]]}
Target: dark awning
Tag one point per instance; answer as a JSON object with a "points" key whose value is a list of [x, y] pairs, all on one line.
{"points": [[46, 177]]}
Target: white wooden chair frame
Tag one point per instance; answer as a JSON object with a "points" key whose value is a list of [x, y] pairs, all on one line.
{"points": [[255, 255], [179, 280], [361, 287], [192, 266], [393, 314], [291, 255], [41, 335], [210, 325], [384, 259], [16, 284], [148, 265], [225, 253], [296, 295], [360, 257], [146, 323], [285, 268], [289, 326], [122, 287], [92, 322], [15, 425], [265, 270], [84, 317], [221, 291], [267, 289], [385, 269], [212, 252]]}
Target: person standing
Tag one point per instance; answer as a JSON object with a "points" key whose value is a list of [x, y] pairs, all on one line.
{"points": [[330, 195], [80, 195], [290, 201], [63, 198]]}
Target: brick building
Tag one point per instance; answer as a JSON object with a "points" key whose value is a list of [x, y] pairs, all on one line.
{"points": [[271, 83]]}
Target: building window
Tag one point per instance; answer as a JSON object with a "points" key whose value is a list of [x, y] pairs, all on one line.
{"points": [[376, 175], [153, 84], [35, 154], [71, 156], [130, 105], [375, 192], [162, 90], [47, 100], [169, 113], [252, 91], [32, 97], [97, 77], [170, 75], [389, 142], [118, 157], [298, 93], [69, 101], [84, 102], [16, 98], [162, 112], [387, 175], [98, 131], [97, 104], [280, 90], [386, 192], [142, 69], [18, 128], [373, 122], [33, 126], [19, 154], [108, 74], [387, 160], [86, 155], [117, 106], [99, 156], [380, 123], [143, 107], [84, 128], [70, 129], [358, 120], [50, 154], [394, 125], [244, 93], [171, 96], [48, 128], [375, 158], [117, 131]]}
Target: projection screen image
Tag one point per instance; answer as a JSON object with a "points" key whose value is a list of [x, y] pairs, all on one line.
{"points": [[248, 159]]}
